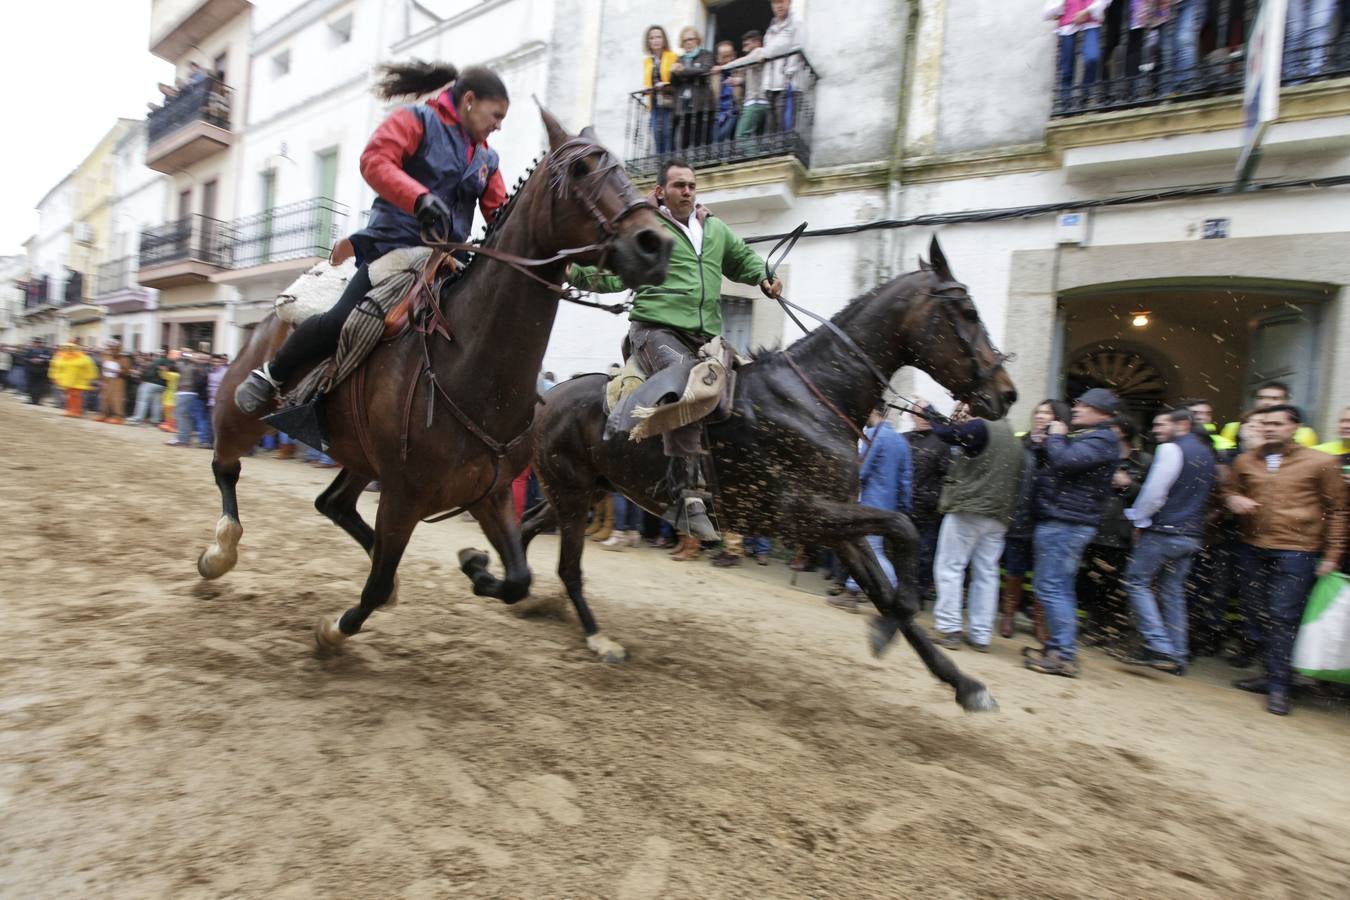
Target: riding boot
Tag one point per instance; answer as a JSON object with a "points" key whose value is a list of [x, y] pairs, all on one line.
{"points": [[1008, 604], [605, 510], [689, 511], [594, 525], [691, 548]]}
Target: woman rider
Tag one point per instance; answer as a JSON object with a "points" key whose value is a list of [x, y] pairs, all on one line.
{"points": [[429, 164]]}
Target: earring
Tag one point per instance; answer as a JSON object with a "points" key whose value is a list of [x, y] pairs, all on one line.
{"points": [[470, 107]]}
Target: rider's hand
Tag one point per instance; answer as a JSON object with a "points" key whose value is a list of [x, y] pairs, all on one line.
{"points": [[773, 289], [433, 216]]}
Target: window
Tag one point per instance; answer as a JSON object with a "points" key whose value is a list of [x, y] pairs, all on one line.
{"points": [[340, 30], [218, 67], [737, 319], [281, 63]]}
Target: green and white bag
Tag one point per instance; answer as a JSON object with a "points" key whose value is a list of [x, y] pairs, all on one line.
{"points": [[1323, 647]]}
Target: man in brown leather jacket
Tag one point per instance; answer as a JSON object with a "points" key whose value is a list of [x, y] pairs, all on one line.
{"points": [[1290, 504]]}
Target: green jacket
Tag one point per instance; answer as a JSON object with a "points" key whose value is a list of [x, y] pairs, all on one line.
{"points": [[690, 298]]}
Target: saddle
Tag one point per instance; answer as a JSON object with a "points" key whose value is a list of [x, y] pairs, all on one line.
{"points": [[700, 389]]}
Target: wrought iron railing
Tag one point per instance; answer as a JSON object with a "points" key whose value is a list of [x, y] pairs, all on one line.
{"points": [[117, 275], [209, 100], [300, 230], [198, 238], [1155, 84], [694, 120]]}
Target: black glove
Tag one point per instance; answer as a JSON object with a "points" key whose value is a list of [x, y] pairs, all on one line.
{"points": [[433, 216]]}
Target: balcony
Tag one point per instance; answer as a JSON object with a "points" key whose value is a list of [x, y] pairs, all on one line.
{"points": [[188, 251], [703, 134], [177, 25], [282, 240], [190, 126], [1222, 73], [116, 287]]}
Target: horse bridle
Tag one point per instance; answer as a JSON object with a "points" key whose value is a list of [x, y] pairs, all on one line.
{"points": [[559, 163]]}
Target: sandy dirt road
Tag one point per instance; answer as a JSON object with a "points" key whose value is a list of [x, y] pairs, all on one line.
{"points": [[165, 737]]}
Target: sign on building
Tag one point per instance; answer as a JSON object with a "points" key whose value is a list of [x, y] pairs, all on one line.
{"points": [[1261, 96]]}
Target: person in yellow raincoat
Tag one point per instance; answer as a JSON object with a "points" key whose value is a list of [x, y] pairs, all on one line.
{"points": [[170, 387], [74, 372]]}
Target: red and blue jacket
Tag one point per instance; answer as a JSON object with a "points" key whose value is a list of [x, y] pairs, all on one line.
{"points": [[420, 148]]}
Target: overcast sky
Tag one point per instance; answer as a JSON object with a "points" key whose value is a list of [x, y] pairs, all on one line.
{"points": [[69, 69]]}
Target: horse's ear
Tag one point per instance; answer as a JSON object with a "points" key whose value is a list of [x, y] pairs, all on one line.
{"points": [[923, 265], [557, 135], [589, 134], [939, 259]]}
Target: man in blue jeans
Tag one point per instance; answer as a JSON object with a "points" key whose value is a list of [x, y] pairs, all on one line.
{"points": [[1169, 518], [1290, 504], [1081, 465]]}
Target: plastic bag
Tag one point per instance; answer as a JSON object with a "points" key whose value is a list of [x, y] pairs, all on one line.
{"points": [[1323, 647]]}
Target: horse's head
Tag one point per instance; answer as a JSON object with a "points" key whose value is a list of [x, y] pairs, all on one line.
{"points": [[955, 348], [593, 206]]}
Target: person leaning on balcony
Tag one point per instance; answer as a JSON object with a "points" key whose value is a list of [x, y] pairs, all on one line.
{"points": [[783, 43], [694, 106], [1079, 26], [754, 102], [1308, 34], [656, 65], [429, 164], [727, 88]]}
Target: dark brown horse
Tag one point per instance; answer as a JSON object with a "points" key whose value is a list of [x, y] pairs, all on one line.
{"points": [[472, 396], [786, 462]]}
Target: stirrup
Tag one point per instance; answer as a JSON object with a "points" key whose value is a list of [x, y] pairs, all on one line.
{"points": [[256, 391], [690, 515]]}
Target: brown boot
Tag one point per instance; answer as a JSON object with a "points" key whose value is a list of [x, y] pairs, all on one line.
{"points": [[286, 451], [1011, 599], [690, 549], [1038, 620], [605, 515]]}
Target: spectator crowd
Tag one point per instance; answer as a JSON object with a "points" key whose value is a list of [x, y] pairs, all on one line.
{"points": [[172, 389], [1207, 543]]}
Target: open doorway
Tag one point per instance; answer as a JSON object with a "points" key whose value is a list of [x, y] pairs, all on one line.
{"points": [[1155, 345], [730, 19]]}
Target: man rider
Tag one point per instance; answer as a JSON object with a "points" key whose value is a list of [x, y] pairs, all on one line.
{"points": [[669, 322]]}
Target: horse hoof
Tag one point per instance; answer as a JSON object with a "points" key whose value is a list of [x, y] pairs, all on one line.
{"points": [[471, 560], [223, 553], [881, 631], [327, 636], [609, 651], [979, 700]]}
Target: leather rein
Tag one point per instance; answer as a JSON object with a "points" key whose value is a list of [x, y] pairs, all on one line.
{"points": [[983, 375]]}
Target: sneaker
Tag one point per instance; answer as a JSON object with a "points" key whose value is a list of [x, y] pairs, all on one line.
{"points": [[847, 602], [761, 559], [615, 541], [1277, 703], [976, 645], [1147, 658], [948, 640], [726, 560], [1257, 685], [256, 392]]}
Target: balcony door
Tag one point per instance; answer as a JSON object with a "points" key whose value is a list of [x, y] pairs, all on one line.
{"points": [[268, 184], [326, 192]]}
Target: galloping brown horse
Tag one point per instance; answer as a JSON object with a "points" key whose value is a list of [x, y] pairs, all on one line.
{"points": [[786, 462], [445, 417]]}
